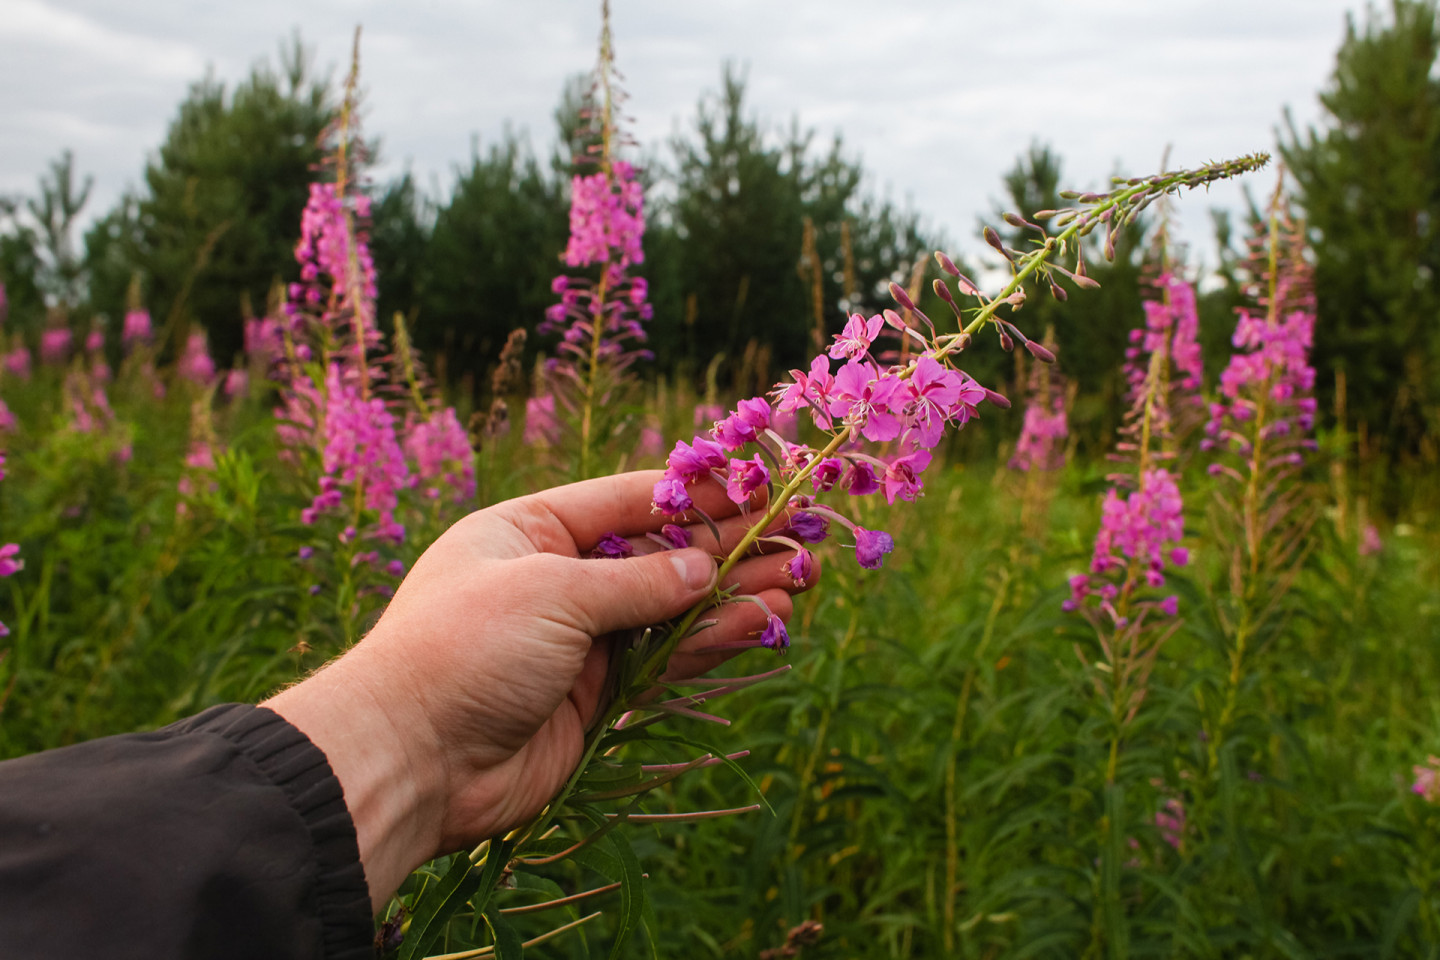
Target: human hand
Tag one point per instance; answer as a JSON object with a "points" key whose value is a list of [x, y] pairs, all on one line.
{"points": [[464, 710]]}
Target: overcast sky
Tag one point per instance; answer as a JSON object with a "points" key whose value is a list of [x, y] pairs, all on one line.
{"points": [[936, 97]]}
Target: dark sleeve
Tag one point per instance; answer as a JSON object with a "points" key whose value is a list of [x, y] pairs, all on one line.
{"points": [[224, 835]]}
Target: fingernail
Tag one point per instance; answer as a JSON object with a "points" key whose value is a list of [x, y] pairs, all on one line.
{"points": [[695, 567]]}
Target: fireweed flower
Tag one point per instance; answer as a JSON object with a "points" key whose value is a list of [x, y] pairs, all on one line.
{"points": [[602, 308], [136, 328], [195, 365], [774, 637], [613, 546], [17, 363], [54, 345], [1427, 779], [440, 453]]}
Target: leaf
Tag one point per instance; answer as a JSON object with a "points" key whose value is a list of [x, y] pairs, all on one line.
{"points": [[632, 893], [461, 883], [508, 945]]}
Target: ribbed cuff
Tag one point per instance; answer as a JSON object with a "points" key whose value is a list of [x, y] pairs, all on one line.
{"points": [[300, 770]]}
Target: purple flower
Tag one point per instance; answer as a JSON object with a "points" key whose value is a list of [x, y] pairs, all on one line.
{"points": [[800, 567], [679, 537], [671, 497], [774, 637], [744, 425], [306, 553], [861, 481], [8, 564], [613, 546], [542, 427], [746, 476], [826, 474], [808, 527], [871, 547], [395, 568], [1170, 605]]}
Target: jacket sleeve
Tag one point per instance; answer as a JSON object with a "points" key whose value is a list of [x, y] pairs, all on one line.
{"points": [[224, 835]]}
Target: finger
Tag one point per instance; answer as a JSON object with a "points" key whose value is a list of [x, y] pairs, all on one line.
{"points": [[771, 571], [600, 596], [586, 511], [735, 623]]}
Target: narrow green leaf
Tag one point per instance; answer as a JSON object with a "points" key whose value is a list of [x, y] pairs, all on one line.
{"points": [[463, 882], [508, 945]]}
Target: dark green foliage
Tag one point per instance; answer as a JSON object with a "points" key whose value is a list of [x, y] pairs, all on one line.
{"points": [[222, 200], [1369, 182], [491, 257], [741, 199]]}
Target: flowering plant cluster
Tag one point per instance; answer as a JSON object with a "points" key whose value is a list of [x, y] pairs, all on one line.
{"points": [[376, 439], [1142, 516], [1046, 426], [602, 307]]}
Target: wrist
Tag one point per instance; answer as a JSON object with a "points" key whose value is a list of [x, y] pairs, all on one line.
{"points": [[388, 768]]}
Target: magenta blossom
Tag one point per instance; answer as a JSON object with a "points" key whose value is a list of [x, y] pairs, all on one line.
{"points": [[809, 391], [801, 567], [869, 400], [902, 476], [808, 527], [746, 476], [689, 461], [774, 637], [613, 546], [671, 497], [855, 341], [871, 547]]}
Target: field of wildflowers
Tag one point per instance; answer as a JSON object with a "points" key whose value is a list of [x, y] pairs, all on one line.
{"points": [[1177, 702]]}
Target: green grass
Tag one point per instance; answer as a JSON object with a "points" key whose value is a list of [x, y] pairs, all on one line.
{"points": [[935, 759]]}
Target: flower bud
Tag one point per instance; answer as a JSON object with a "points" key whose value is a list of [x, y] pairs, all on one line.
{"points": [[1038, 352], [943, 292], [893, 319], [1006, 343], [946, 264], [1057, 291], [999, 399], [993, 238], [898, 294]]}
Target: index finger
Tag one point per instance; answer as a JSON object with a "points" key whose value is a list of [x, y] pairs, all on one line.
{"points": [[620, 504]]}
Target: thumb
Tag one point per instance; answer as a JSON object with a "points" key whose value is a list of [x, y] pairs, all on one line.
{"points": [[608, 595]]}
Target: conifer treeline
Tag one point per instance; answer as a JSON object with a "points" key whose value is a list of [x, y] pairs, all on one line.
{"points": [[747, 221]]}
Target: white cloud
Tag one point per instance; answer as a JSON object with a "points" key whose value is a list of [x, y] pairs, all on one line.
{"points": [[937, 96]]}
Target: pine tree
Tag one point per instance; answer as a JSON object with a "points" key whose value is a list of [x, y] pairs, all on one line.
{"points": [[217, 219], [1369, 181]]}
